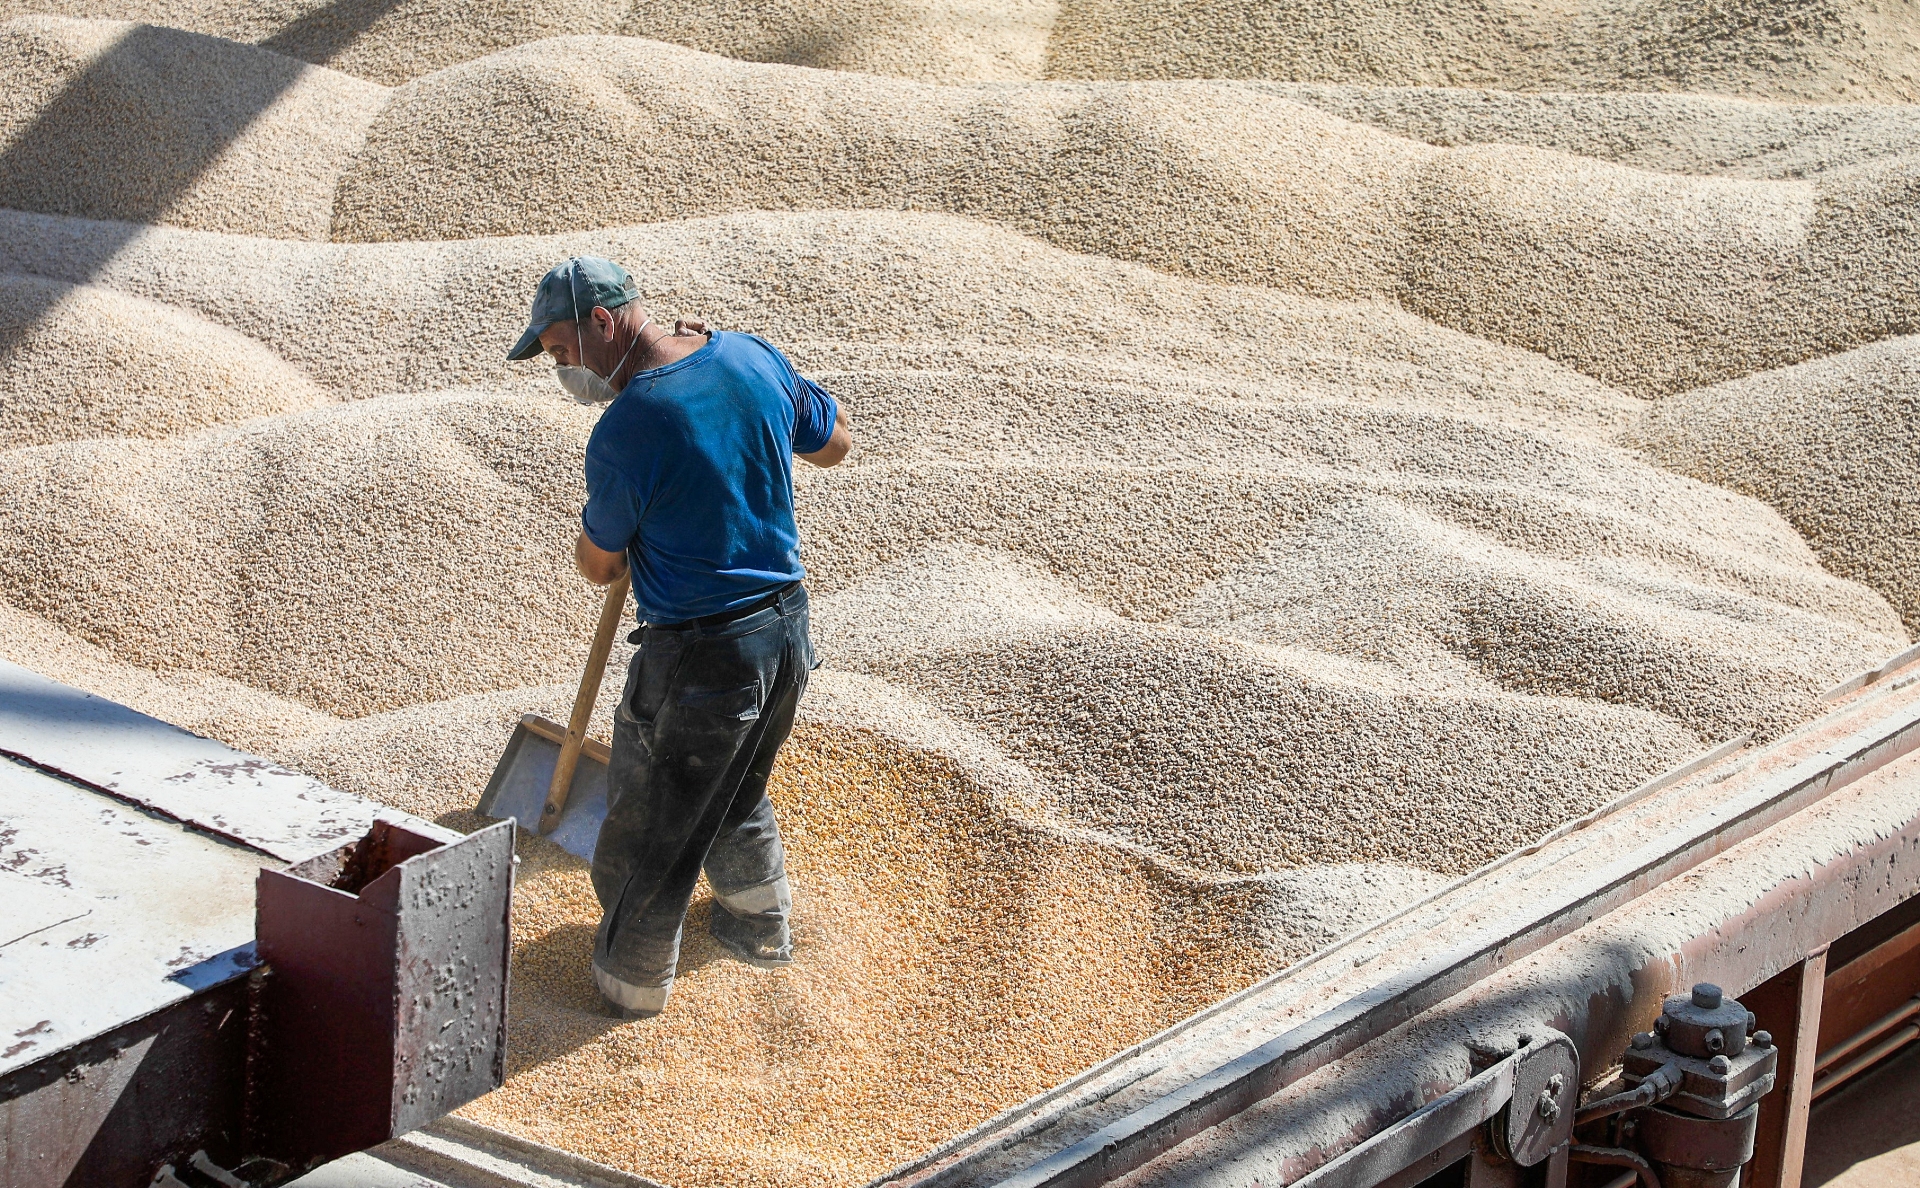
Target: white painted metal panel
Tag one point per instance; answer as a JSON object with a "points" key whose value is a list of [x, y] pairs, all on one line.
{"points": [[150, 762], [111, 912]]}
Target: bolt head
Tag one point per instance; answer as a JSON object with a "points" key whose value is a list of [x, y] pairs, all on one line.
{"points": [[1716, 1042], [1706, 996], [1720, 1065], [1642, 1040], [1763, 1039]]}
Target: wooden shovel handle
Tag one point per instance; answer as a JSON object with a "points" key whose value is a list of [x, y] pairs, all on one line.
{"points": [[611, 612]]}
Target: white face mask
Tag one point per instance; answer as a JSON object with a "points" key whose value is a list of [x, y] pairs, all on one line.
{"points": [[587, 386]]}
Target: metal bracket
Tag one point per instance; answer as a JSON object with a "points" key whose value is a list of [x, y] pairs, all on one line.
{"points": [[1539, 1117], [1525, 1100]]}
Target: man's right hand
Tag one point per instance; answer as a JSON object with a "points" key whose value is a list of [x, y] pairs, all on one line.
{"points": [[686, 326], [596, 564]]}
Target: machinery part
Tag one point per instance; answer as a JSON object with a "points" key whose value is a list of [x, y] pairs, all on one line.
{"points": [[1638, 1168], [199, 1012], [1524, 1102], [1656, 1087], [1698, 1152], [1721, 1073], [1707, 1069], [1540, 1114], [204, 1172], [1705, 1023]]}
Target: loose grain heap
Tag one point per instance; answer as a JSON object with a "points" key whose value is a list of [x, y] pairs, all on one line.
{"points": [[1834, 444], [1272, 497], [1839, 51], [1653, 282]]}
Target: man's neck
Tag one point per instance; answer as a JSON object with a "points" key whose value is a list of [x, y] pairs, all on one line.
{"points": [[659, 347]]}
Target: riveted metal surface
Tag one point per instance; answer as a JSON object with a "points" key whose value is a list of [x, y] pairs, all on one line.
{"points": [[450, 976], [152, 763]]}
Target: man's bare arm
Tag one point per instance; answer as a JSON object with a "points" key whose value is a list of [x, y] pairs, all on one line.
{"points": [[837, 445], [596, 564]]}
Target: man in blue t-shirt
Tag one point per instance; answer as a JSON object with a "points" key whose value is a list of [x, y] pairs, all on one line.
{"points": [[689, 489]]}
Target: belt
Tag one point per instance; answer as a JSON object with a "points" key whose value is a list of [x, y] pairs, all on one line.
{"points": [[721, 618]]}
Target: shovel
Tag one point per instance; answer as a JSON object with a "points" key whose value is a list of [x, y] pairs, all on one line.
{"points": [[552, 779]]}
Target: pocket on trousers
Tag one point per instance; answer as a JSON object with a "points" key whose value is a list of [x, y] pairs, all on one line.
{"points": [[650, 676], [623, 710], [737, 705]]}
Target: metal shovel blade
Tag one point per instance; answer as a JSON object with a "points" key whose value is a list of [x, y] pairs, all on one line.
{"points": [[518, 789]]}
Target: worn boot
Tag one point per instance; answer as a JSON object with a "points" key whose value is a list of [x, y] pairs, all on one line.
{"points": [[752, 924]]}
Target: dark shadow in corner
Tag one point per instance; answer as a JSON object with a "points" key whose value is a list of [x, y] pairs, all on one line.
{"points": [[144, 137]]}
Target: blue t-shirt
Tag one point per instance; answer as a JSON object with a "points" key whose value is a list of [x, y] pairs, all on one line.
{"points": [[690, 473]]}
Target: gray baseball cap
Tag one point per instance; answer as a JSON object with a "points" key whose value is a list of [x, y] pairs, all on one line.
{"points": [[568, 292]]}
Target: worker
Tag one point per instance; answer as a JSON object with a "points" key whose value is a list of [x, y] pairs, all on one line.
{"points": [[689, 477]]}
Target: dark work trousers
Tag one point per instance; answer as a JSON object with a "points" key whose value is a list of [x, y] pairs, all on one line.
{"points": [[705, 711]]}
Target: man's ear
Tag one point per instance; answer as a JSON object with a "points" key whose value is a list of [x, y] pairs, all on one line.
{"points": [[602, 323]]}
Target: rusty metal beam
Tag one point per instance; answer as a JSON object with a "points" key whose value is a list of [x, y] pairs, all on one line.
{"points": [[1529, 1097], [1789, 1006], [1422, 1141]]}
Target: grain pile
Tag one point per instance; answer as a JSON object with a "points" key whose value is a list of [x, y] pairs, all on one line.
{"points": [[368, 319], [1834, 444], [1698, 134], [253, 142], [905, 995], [1258, 514], [1654, 282], [1847, 51], [301, 531], [392, 41], [80, 361], [1840, 50], [1651, 281]]}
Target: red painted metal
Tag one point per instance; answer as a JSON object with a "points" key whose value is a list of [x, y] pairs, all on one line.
{"points": [[386, 1002]]}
